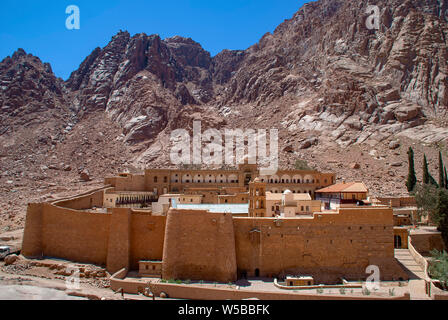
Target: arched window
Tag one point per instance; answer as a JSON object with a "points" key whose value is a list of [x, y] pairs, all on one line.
{"points": [[198, 178], [297, 178], [286, 178]]}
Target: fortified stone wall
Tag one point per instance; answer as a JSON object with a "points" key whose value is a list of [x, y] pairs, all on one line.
{"points": [[398, 202], [32, 235], [66, 233], [328, 246], [147, 238], [83, 202], [118, 239], [199, 246]]}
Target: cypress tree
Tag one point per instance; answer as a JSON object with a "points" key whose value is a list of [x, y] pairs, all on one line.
{"points": [[425, 170], [446, 179], [427, 177], [441, 173], [412, 179], [433, 181]]}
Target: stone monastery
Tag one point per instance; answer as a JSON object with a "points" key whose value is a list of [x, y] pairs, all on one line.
{"points": [[220, 225]]}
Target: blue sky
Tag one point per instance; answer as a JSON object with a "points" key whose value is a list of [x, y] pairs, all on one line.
{"points": [[39, 26]]}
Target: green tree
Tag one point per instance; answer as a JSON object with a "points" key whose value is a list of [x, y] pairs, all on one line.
{"points": [[425, 170], [440, 216], [433, 181], [426, 199], [412, 179], [441, 173], [438, 268], [433, 203], [446, 179], [427, 177], [302, 165]]}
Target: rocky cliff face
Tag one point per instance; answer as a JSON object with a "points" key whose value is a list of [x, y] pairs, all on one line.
{"points": [[138, 80], [348, 80], [33, 108], [28, 87], [343, 78]]}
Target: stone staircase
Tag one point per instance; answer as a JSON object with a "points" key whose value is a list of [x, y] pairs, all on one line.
{"points": [[417, 284], [414, 270]]}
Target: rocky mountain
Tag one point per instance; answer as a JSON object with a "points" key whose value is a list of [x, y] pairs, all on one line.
{"points": [[28, 88], [344, 95], [349, 81], [341, 77], [139, 80]]}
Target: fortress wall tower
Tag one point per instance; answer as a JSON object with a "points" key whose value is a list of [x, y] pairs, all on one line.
{"points": [[199, 246], [118, 255]]}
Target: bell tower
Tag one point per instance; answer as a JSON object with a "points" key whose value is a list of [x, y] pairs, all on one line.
{"points": [[257, 198]]}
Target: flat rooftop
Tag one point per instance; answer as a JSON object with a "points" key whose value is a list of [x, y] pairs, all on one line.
{"points": [[296, 196], [216, 208]]}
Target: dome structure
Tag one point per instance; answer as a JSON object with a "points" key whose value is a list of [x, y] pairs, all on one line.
{"points": [[288, 197]]}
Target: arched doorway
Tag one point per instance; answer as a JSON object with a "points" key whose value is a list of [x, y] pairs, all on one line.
{"points": [[397, 242], [247, 178], [242, 274]]}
